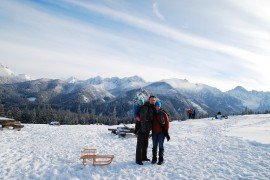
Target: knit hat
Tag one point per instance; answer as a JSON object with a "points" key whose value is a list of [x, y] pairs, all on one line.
{"points": [[140, 101], [158, 103]]}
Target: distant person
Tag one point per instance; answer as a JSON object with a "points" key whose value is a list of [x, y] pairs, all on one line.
{"points": [[137, 107], [159, 132], [193, 114], [189, 112], [92, 121], [218, 115], [147, 115]]}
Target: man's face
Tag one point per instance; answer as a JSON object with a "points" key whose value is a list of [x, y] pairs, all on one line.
{"points": [[152, 100]]}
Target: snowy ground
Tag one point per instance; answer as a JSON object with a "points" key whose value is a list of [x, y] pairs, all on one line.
{"points": [[234, 148]]}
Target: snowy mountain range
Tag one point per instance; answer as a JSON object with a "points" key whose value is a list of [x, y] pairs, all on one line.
{"points": [[255, 100], [104, 94]]}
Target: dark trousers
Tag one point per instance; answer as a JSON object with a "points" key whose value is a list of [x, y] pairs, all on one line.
{"points": [[158, 140], [142, 145]]}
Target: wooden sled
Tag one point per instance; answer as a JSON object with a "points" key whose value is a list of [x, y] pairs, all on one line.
{"points": [[13, 124], [97, 159], [122, 131]]}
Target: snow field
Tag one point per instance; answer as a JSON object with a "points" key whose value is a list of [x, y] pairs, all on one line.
{"points": [[234, 148]]}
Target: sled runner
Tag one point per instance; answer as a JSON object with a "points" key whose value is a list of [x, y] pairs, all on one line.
{"points": [[97, 159]]}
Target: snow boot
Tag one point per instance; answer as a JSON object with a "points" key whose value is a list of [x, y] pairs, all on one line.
{"points": [[154, 158], [139, 163], [160, 156], [144, 154]]}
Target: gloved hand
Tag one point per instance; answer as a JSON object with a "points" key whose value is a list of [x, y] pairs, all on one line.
{"points": [[167, 136]]}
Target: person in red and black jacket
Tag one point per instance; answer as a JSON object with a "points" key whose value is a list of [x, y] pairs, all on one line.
{"points": [[159, 132]]}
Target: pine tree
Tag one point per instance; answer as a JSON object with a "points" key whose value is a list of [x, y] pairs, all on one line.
{"points": [[2, 110], [79, 117], [113, 118], [33, 116], [93, 115]]}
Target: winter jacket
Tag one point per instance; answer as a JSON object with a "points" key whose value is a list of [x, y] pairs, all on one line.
{"points": [[147, 115], [137, 110], [159, 124]]}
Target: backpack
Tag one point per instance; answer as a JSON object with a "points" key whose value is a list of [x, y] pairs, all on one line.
{"points": [[162, 117]]}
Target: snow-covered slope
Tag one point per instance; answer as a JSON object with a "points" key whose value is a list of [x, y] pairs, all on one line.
{"points": [[8, 76], [205, 99], [234, 148], [184, 85]]}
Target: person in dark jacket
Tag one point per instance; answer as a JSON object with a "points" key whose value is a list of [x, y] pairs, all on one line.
{"points": [[159, 132], [147, 115], [193, 113]]}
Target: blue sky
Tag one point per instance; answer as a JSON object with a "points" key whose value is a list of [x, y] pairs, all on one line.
{"points": [[222, 43]]}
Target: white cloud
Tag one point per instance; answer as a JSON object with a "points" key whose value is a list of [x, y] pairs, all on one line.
{"points": [[171, 33], [258, 9], [140, 46], [156, 11]]}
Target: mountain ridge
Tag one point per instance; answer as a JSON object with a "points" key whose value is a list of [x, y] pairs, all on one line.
{"points": [[104, 94]]}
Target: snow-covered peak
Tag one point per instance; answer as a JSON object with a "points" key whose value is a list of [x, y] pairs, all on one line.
{"points": [[6, 72], [185, 85], [252, 99], [179, 83], [239, 89], [95, 80], [134, 79], [116, 82], [23, 77], [72, 80], [8, 76]]}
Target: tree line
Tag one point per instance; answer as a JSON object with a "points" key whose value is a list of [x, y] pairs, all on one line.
{"points": [[46, 114], [247, 111]]}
